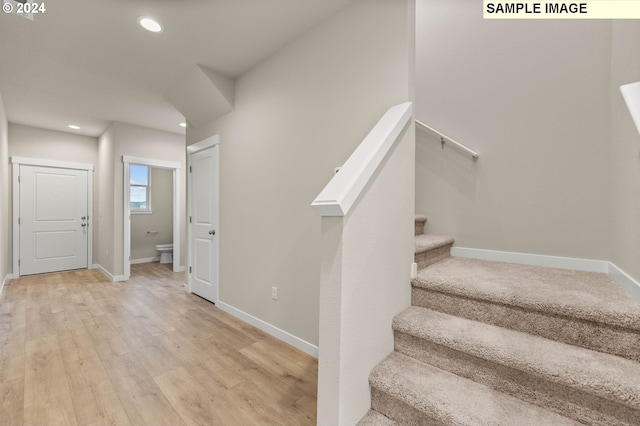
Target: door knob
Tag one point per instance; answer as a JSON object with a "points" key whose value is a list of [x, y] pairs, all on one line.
{"points": [[83, 217], [83, 224], [212, 232]]}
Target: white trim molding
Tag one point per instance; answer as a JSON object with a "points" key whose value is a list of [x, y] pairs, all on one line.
{"points": [[624, 280], [533, 259], [27, 161], [4, 281], [276, 332], [151, 162], [145, 260], [112, 278], [346, 186], [203, 144]]}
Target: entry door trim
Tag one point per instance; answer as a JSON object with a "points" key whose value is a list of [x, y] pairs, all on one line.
{"points": [[26, 161], [193, 149]]}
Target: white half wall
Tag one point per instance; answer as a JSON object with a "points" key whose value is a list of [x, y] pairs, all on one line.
{"points": [[366, 267]]}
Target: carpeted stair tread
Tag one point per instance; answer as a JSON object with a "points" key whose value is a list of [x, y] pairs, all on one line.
{"points": [[607, 376], [423, 394], [420, 221], [373, 418], [428, 242], [421, 218], [585, 295]]}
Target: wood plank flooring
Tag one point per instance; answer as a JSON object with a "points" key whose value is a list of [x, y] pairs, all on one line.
{"points": [[76, 349]]}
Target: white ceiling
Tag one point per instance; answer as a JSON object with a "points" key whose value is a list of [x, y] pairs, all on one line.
{"points": [[87, 62]]}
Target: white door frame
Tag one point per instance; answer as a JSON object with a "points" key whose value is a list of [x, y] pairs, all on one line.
{"points": [[26, 161], [209, 142], [176, 167]]}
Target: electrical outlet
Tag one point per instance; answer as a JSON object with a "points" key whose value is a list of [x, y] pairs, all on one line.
{"points": [[274, 293]]}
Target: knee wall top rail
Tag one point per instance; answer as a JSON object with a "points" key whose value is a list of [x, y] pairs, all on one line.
{"points": [[344, 189]]}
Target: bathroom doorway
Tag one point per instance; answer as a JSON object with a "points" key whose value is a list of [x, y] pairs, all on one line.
{"points": [[130, 165], [151, 204]]}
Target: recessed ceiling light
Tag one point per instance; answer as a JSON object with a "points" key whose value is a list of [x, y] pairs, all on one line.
{"points": [[150, 24], [183, 124], [73, 126]]}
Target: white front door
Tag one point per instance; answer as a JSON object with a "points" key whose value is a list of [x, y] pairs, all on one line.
{"points": [[53, 219], [203, 221]]}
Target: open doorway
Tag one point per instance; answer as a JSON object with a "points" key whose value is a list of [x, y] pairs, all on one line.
{"points": [[151, 204], [137, 165]]}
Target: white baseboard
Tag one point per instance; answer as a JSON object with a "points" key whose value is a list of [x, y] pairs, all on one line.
{"points": [[625, 281], [533, 259], [4, 281], [112, 278], [145, 260], [294, 341], [179, 269]]}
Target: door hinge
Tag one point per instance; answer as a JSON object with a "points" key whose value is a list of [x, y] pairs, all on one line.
{"points": [[189, 268], [18, 178], [189, 219], [18, 221], [18, 262], [190, 169]]}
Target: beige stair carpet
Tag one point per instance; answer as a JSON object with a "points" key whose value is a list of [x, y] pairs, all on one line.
{"points": [[582, 308], [590, 386]]}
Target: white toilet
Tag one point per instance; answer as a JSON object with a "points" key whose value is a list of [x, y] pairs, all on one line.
{"points": [[166, 252]]}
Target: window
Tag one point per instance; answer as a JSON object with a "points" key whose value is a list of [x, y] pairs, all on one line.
{"points": [[140, 188]]}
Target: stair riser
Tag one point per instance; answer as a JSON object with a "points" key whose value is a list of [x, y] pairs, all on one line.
{"points": [[400, 411], [430, 257], [600, 337], [419, 228], [570, 402]]}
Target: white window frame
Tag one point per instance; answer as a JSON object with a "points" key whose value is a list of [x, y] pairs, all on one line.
{"points": [[148, 209]]}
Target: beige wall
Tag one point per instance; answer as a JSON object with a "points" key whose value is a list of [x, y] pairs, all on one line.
{"points": [[625, 150], [298, 115], [533, 98], [5, 200], [104, 254], [27, 141], [161, 218], [125, 139]]}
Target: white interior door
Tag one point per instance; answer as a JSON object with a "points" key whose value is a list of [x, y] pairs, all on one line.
{"points": [[53, 219], [203, 222]]}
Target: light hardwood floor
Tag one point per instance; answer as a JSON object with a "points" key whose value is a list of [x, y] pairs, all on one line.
{"points": [[76, 349]]}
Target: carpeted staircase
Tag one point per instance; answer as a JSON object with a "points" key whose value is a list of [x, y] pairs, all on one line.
{"points": [[490, 343]]}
